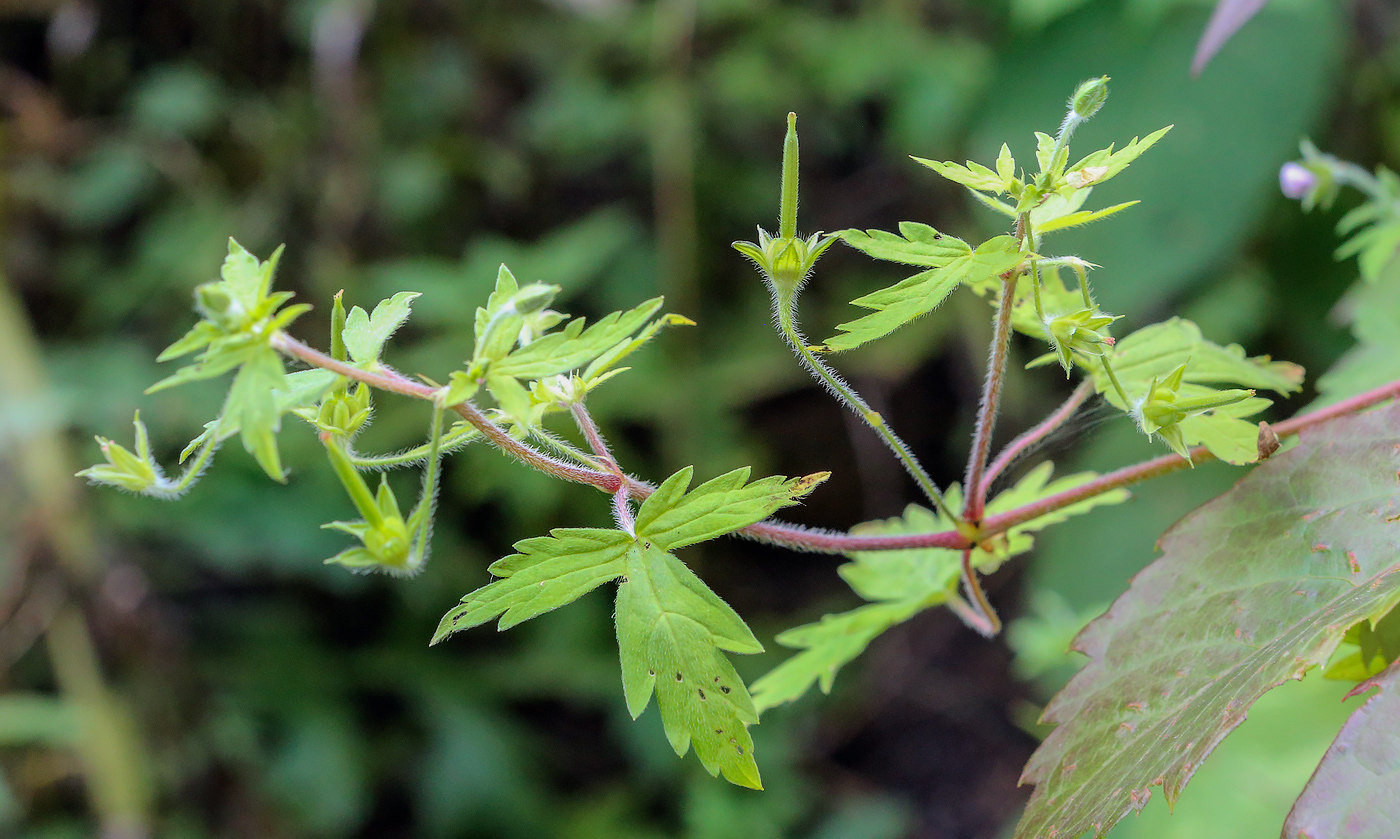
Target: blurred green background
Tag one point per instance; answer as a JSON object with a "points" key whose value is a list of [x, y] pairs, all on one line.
{"points": [[192, 670]]}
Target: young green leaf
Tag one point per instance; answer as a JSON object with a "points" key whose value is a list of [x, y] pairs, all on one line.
{"points": [[366, 334], [673, 518], [546, 573], [922, 293], [973, 175], [1352, 793], [254, 406], [1367, 649], [915, 244], [574, 346], [1253, 589], [1105, 163], [1079, 217], [671, 631]]}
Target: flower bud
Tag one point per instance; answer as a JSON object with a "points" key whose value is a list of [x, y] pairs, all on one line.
{"points": [[1089, 97], [533, 297], [1296, 180]]}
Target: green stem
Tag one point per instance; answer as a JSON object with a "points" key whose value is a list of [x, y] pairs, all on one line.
{"points": [[1117, 385], [420, 521], [785, 312], [456, 438], [174, 489], [353, 482]]}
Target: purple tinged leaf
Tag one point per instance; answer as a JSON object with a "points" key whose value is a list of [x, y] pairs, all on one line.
{"points": [[1253, 589], [1355, 791]]}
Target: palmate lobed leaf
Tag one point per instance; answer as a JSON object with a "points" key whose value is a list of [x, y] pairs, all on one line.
{"points": [[1252, 589], [915, 244], [255, 405], [825, 647], [1353, 791], [920, 294], [1153, 352], [672, 630], [1114, 162]]}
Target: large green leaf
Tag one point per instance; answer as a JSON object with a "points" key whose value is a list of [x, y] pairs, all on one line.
{"points": [[671, 630], [920, 294], [1153, 352], [548, 572], [1356, 790], [1253, 589]]}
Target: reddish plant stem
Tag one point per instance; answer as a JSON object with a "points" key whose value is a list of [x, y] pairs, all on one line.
{"points": [[983, 618], [802, 538], [1038, 433], [975, 487], [585, 423], [622, 506], [1167, 464], [393, 382]]}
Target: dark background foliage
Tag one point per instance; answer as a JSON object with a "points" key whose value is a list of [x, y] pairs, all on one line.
{"points": [[224, 683]]}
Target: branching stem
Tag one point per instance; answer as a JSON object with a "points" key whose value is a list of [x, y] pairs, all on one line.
{"points": [[394, 383], [1016, 447], [802, 538]]}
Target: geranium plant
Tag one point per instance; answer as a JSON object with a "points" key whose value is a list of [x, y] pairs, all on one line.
{"points": [[1295, 567]]}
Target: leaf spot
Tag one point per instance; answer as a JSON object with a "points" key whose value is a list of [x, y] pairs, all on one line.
{"points": [[1128, 727], [1352, 563], [724, 689], [702, 694], [1136, 706], [1321, 547], [680, 678]]}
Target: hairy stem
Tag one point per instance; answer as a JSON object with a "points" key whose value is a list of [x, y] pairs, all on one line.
{"points": [[394, 383], [785, 312], [1017, 447], [802, 538], [454, 439], [974, 484]]}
